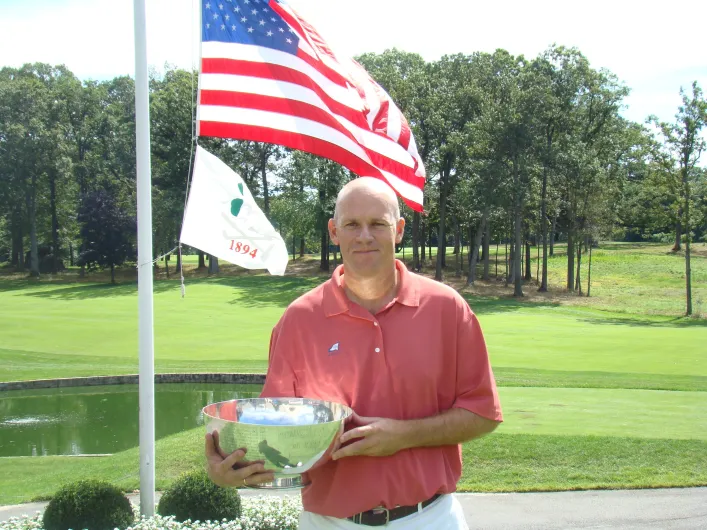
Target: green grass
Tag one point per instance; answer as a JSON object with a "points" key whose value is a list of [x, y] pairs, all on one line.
{"points": [[499, 462], [604, 412], [523, 462], [224, 324], [602, 392], [513, 377]]}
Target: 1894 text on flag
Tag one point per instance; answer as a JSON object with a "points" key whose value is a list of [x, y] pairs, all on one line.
{"points": [[267, 75]]}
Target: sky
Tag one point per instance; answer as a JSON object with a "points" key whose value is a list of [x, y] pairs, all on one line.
{"points": [[653, 47]]}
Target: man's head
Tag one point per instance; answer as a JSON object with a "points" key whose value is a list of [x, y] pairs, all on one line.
{"points": [[367, 225]]}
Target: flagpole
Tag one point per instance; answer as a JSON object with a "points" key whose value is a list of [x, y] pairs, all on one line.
{"points": [[144, 259]]}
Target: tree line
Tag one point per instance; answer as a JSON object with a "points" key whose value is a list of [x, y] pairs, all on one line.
{"points": [[520, 152]]}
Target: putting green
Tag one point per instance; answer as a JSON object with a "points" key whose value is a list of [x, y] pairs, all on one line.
{"points": [[604, 412]]}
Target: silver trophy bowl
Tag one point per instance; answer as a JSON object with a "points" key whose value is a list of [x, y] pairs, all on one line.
{"points": [[292, 435]]}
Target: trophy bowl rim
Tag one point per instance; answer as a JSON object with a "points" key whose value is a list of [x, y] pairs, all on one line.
{"points": [[348, 410]]}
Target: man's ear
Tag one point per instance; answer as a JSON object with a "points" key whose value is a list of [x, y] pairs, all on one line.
{"points": [[399, 230], [332, 232]]}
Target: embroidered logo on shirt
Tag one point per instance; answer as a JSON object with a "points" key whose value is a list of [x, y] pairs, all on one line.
{"points": [[334, 349]]}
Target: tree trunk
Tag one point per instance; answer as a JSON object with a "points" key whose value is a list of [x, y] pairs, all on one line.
{"points": [[294, 247], [497, 260], [552, 235], [429, 242], [301, 247], [578, 284], [457, 236], [336, 264], [166, 265], [441, 243], [415, 239], [17, 256], [55, 222], [263, 175], [423, 239], [528, 275], [518, 226], [32, 210], [537, 259], [678, 236], [589, 273], [475, 249], [570, 260], [517, 278], [112, 273], [178, 268], [688, 271], [511, 279], [543, 217], [487, 243], [21, 261], [71, 254], [457, 249], [324, 254], [213, 265], [201, 265], [506, 272]]}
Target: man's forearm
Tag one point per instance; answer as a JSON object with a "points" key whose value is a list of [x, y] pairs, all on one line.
{"points": [[451, 427]]}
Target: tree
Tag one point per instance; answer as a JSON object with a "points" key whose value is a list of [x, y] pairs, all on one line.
{"points": [[556, 79], [107, 232], [685, 145], [406, 77]]}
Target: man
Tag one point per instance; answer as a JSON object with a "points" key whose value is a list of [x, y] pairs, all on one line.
{"points": [[405, 353]]}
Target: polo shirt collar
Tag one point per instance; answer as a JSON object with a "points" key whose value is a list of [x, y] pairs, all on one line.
{"points": [[336, 302]]}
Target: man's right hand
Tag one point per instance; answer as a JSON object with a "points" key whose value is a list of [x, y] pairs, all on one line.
{"points": [[232, 470]]}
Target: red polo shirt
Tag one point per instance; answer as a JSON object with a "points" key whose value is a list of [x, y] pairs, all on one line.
{"points": [[421, 355]]}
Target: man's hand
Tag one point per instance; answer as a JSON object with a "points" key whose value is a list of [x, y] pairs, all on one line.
{"points": [[233, 470], [377, 437], [384, 437]]}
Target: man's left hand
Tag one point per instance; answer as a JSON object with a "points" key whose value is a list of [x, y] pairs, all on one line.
{"points": [[376, 437]]}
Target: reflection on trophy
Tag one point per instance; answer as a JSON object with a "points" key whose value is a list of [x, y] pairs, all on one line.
{"points": [[292, 435]]}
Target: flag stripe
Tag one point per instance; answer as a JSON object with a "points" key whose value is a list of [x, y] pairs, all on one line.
{"points": [[222, 84], [341, 92], [272, 78], [294, 124], [317, 146], [334, 100], [239, 59], [308, 32], [291, 107]]}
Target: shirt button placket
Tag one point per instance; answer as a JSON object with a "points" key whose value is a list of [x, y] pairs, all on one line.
{"points": [[380, 336]]}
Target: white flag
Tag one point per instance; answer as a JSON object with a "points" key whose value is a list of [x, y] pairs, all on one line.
{"points": [[223, 219]]}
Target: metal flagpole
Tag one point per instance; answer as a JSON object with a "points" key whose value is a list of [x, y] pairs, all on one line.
{"points": [[144, 259]]}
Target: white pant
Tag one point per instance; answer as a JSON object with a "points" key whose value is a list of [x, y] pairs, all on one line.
{"points": [[443, 514]]}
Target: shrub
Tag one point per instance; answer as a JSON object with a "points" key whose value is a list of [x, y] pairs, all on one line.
{"points": [[88, 504], [193, 496]]}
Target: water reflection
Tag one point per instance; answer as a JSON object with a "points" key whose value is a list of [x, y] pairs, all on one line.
{"points": [[100, 419]]}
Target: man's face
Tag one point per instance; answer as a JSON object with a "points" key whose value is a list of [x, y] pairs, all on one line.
{"points": [[367, 231]]}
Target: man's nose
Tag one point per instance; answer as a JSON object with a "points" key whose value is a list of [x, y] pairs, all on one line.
{"points": [[364, 234]]}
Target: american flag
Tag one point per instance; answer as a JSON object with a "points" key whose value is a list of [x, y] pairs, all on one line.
{"points": [[267, 75]]}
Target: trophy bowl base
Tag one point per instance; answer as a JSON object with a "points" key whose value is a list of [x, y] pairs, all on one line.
{"points": [[282, 482]]}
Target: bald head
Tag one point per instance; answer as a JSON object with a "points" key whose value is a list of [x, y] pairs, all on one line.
{"points": [[371, 188]]}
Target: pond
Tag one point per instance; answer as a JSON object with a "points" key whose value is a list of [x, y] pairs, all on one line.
{"points": [[100, 419]]}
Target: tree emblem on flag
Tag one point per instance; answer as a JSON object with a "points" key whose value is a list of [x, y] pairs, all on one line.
{"points": [[237, 203]]}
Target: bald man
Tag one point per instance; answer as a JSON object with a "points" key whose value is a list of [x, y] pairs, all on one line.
{"points": [[405, 353]]}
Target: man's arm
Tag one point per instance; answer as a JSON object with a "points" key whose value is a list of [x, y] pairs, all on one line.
{"points": [[383, 437]]}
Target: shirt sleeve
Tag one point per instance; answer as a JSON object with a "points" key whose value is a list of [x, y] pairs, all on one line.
{"points": [[475, 386], [280, 380]]}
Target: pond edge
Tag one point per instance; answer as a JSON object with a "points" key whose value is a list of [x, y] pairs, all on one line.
{"points": [[133, 379]]}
